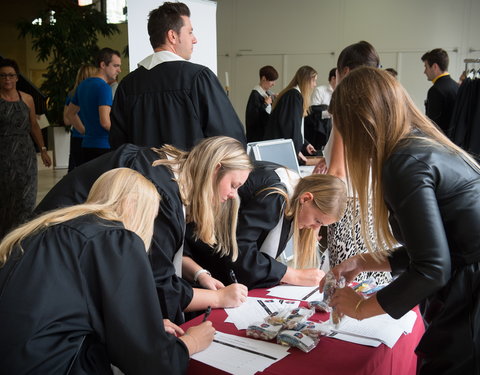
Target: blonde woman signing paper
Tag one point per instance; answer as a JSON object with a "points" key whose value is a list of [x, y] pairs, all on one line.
{"points": [[197, 186]]}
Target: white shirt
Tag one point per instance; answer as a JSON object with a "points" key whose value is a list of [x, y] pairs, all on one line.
{"points": [[159, 57], [322, 95], [289, 179], [264, 94]]}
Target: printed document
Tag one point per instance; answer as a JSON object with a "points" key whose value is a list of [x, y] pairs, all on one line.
{"points": [[240, 355]]}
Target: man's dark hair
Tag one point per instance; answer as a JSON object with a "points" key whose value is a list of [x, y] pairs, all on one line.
{"points": [[332, 73], [438, 56], [167, 16], [269, 72], [105, 56], [10, 63], [358, 54]]}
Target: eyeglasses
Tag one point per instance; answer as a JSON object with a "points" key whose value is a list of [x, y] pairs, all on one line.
{"points": [[10, 75]]}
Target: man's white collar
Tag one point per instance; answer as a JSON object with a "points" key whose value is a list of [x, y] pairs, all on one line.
{"points": [[153, 60], [260, 90]]}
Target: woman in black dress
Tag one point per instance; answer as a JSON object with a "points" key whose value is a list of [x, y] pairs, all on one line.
{"points": [[77, 291], [18, 160]]}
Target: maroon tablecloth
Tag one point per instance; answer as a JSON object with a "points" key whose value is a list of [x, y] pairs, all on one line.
{"points": [[331, 356]]}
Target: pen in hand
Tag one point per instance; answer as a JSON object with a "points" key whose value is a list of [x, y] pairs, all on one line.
{"points": [[233, 277], [207, 313]]}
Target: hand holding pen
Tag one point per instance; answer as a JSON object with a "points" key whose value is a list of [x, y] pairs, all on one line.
{"points": [[207, 314]]}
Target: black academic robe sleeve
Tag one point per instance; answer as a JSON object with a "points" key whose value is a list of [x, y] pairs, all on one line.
{"points": [[214, 109], [435, 106], [174, 293], [124, 292], [120, 118], [414, 209], [286, 119], [256, 117], [257, 217]]}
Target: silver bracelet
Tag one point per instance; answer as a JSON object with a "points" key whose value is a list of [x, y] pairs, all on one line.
{"points": [[198, 273]]}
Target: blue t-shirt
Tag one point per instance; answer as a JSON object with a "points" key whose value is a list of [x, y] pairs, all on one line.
{"points": [[89, 95]]}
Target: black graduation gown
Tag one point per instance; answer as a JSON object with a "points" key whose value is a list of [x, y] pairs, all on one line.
{"points": [[176, 102], [433, 197], [259, 214], [286, 119], [464, 129], [256, 117], [440, 102], [317, 129], [174, 293], [82, 296]]}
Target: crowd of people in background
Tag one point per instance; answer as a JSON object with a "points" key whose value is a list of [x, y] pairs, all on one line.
{"points": [[162, 200]]}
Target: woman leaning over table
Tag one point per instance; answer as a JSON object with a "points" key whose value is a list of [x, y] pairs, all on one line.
{"points": [[18, 160], [78, 294], [276, 204], [426, 196], [197, 186]]}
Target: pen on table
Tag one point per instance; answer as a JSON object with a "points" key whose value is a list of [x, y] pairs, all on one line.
{"points": [[233, 277], [207, 313]]}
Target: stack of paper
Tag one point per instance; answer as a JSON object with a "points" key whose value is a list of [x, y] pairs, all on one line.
{"points": [[240, 355], [374, 331], [256, 310], [299, 293]]}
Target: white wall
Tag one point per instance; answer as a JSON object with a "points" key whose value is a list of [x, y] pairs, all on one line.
{"points": [[288, 34], [204, 28]]}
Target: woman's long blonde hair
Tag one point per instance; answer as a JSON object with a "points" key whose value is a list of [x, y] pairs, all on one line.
{"points": [[85, 71], [120, 194], [374, 114], [302, 78], [329, 196], [198, 179]]}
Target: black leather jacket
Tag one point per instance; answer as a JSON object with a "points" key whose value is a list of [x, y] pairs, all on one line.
{"points": [[433, 196]]}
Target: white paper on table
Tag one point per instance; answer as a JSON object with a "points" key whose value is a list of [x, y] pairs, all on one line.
{"points": [[256, 310], [240, 355], [356, 339], [300, 293], [382, 328]]}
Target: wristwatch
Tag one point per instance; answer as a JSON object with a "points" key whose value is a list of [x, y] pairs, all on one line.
{"points": [[44, 148]]}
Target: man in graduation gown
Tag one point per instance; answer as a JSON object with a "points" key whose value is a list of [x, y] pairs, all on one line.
{"points": [[167, 99], [442, 95]]}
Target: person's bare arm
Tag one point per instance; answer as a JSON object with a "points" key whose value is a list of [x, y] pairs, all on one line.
{"points": [[71, 114], [104, 115], [337, 158], [303, 277], [231, 296], [35, 129]]}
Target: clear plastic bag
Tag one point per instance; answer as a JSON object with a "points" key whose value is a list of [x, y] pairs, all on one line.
{"points": [[331, 284], [263, 331], [297, 339]]}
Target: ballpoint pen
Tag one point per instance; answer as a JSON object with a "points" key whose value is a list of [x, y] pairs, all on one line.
{"points": [[233, 277], [207, 313]]}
